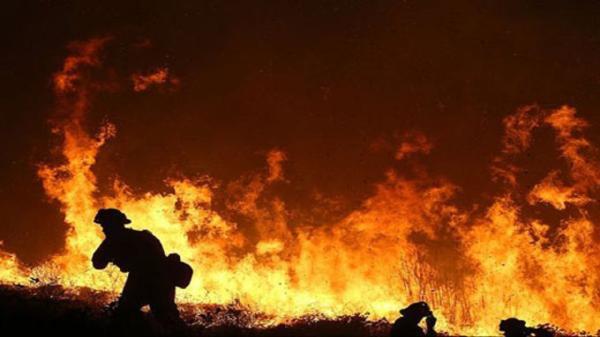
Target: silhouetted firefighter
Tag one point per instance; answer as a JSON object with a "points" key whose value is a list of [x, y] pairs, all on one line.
{"points": [[408, 324], [514, 327], [152, 275]]}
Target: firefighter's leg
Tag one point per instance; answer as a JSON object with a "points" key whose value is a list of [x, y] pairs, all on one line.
{"points": [[165, 310], [127, 312]]}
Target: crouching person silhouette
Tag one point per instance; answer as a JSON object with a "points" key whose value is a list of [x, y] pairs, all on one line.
{"points": [[408, 324], [514, 327], [152, 275]]}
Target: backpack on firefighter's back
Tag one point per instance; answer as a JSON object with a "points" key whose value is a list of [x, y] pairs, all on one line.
{"points": [[180, 271]]}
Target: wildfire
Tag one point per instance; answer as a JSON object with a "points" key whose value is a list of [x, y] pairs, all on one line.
{"points": [[407, 242]]}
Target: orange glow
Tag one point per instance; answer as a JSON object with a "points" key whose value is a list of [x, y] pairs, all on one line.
{"points": [[413, 142]]}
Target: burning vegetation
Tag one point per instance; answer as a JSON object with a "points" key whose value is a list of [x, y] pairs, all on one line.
{"points": [[408, 241]]}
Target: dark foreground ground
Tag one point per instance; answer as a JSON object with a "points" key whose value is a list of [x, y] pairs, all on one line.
{"points": [[51, 311]]}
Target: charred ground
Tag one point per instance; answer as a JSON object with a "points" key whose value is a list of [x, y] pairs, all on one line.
{"points": [[51, 309]]}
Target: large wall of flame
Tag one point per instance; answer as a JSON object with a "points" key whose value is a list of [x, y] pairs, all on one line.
{"points": [[409, 240]]}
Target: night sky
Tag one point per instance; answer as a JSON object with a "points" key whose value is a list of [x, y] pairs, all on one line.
{"points": [[333, 84]]}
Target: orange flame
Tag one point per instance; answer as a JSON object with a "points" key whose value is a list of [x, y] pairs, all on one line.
{"points": [[158, 77]]}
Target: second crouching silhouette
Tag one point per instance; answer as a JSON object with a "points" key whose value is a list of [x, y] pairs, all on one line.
{"points": [[408, 324]]}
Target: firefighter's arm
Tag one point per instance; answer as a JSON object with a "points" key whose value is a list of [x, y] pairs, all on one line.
{"points": [[101, 256], [431, 320]]}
